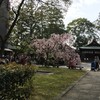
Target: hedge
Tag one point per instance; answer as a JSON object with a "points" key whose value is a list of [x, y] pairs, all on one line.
{"points": [[15, 82]]}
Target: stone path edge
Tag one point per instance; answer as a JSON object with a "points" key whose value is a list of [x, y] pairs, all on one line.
{"points": [[70, 87]]}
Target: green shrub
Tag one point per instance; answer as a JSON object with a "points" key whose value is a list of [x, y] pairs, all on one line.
{"points": [[15, 82]]}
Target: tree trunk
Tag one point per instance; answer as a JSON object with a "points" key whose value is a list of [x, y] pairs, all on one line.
{"points": [[1, 2], [2, 48]]}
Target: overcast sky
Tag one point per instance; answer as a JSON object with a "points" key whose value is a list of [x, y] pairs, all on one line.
{"points": [[83, 8]]}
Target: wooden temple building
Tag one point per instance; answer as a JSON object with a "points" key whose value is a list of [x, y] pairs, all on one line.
{"points": [[90, 51]]}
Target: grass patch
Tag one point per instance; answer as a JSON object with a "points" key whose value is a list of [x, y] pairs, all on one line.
{"points": [[46, 87]]}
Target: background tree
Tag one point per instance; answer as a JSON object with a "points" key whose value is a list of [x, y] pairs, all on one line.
{"points": [[23, 30], [49, 20], [37, 20], [54, 50], [17, 13], [97, 22], [82, 29]]}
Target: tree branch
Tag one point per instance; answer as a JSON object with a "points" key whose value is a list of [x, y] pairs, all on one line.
{"points": [[14, 11], [14, 22]]}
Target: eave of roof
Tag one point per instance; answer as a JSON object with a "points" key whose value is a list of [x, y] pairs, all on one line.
{"points": [[93, 43], [91, 47]]}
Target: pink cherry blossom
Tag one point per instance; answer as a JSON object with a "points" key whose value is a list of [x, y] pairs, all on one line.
{"points": [[55, 48]]}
